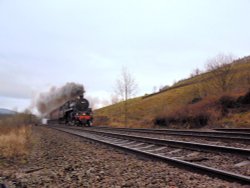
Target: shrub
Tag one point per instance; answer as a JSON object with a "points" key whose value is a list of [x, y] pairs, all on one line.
{"points": [[198, 120], [245, 99], [227, 102], [195, 100], [194, 115]]}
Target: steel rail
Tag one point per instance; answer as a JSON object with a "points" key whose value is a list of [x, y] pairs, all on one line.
{"points": [[181, 163], [239, 130]]}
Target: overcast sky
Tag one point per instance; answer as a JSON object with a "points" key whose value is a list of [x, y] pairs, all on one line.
{"points": [[46, 43]]}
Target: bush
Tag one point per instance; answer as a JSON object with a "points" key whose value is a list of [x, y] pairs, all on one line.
{"points": [[201, 112], [198, 120], [227, 102], [194, 115], [244, 99], [195, 100]]}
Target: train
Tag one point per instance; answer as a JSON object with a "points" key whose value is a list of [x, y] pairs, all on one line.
{"points": [[73, 112]]}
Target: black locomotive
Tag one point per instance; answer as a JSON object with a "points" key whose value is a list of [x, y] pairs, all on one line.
{"points": [[74, 112]]}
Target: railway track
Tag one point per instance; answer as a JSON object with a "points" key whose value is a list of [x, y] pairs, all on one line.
{"points": [[160, 150], [222, 135], [245, 143], [174, 143]]}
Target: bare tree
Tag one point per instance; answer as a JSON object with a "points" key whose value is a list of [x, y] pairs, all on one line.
{"points": [[195, 72], [126, 87], [221, 67]]}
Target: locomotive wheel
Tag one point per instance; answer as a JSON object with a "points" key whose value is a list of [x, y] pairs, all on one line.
{"points": [[79, 124], [89, 123]]}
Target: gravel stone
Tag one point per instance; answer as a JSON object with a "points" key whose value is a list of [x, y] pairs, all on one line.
{"points": [[59, 159]]}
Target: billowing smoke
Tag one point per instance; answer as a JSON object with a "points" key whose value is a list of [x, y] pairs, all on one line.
{"points": [[57, 96]]}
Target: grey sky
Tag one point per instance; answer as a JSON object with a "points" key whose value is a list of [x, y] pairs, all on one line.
{"points": [[46, 43]]}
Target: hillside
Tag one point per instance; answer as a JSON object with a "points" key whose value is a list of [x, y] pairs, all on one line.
{"points": [[143, 111], [4, 112]]}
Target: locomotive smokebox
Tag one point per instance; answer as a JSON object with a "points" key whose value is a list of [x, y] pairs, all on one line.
{"points": [[82, 104]]}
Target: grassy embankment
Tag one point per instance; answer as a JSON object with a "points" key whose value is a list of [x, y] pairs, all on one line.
{"points": [[175, 106], [15, 133]]}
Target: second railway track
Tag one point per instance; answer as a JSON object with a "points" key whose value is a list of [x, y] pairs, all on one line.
{"points": [[237, 136]]}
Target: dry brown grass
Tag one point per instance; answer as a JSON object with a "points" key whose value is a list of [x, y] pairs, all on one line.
{"points": [[240, 120], [15, 142], [14, 137]]}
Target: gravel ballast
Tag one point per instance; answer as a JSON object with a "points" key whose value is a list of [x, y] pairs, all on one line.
{"points": [[59, 159]]}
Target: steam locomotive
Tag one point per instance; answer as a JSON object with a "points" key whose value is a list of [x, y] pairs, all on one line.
{"points": [[74, 112]]}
